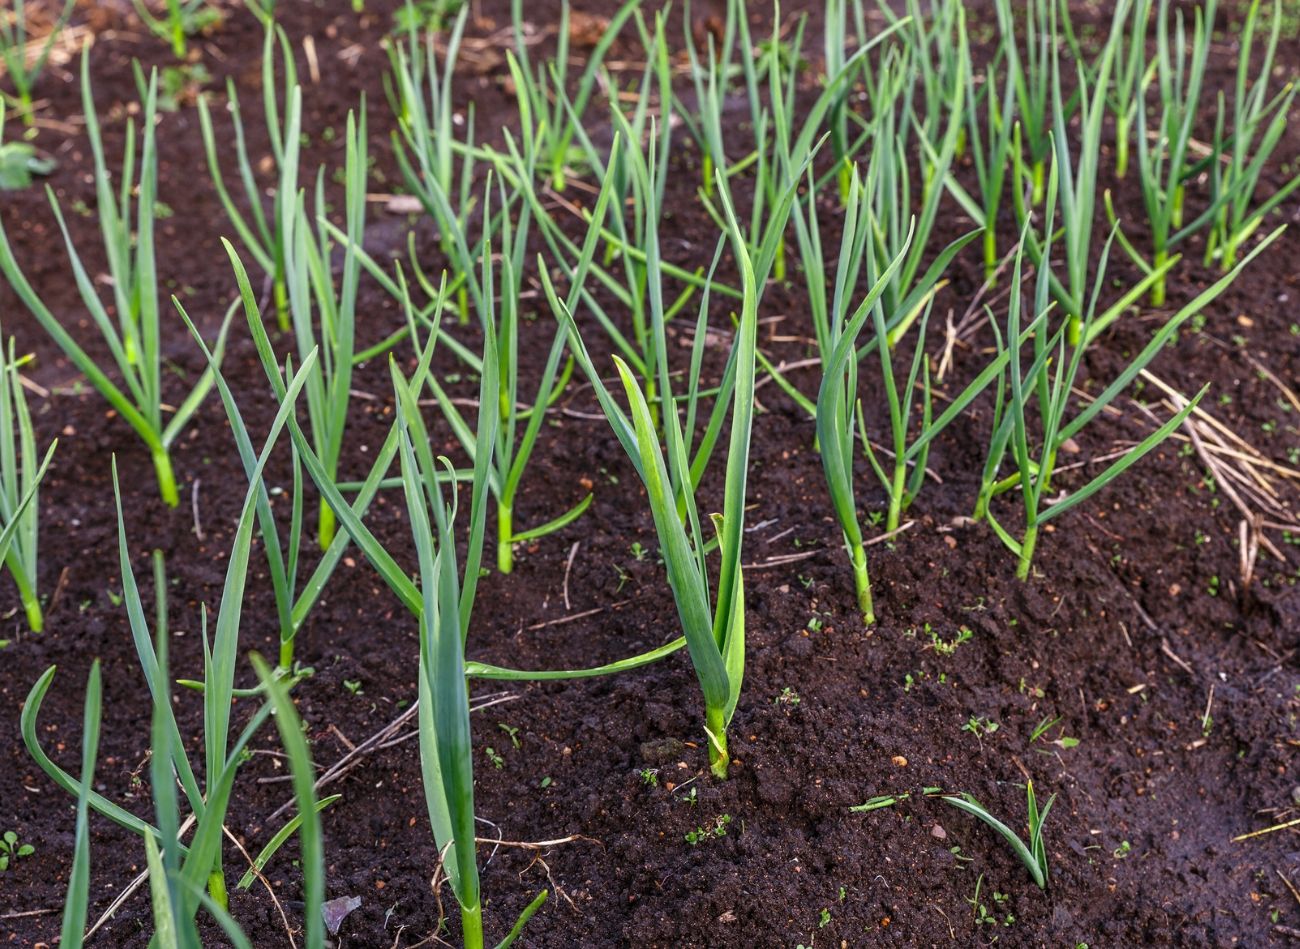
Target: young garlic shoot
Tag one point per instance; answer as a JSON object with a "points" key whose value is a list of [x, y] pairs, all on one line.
{"points": [[263, 235], [537, 87], [635, 203], [420, 94], [1047, 389], [989, 130], [16, 45], [518, 424], [447, 602], [715, 637], [323, 312], [283, 548], [129, 326], [183, 870], [1031, 72], [1126, 94], [180, 20], [21, 471], [1077, 188], [1033, 855], [77, 900], [1242, 149], [1162, 152]]}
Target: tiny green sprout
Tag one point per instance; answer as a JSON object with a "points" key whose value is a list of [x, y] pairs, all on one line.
{"points": [[512, 732], [545, 783], [1212, 587], [843, 893], [638, 551], [114, 598], [497, 761], [352, 685], [1122, 851], [11, 849], [718, 828], [944, 648], [787, 697], [649, 777], [693, 798], [1032, 854], [824, 918], [815, 623], [805, 582], [980, 725]]}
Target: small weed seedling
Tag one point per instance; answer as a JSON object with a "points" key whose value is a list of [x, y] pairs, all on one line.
{"points": [[718, 828], [11, 849]]}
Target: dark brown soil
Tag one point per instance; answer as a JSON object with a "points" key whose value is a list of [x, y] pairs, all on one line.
{"points": [[1134, 615]]}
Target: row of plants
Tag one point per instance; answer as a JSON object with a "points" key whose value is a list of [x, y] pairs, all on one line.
{"points": [[877, 152]]}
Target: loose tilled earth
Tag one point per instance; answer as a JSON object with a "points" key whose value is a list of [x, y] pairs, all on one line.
{"points": [[1136, 615]]}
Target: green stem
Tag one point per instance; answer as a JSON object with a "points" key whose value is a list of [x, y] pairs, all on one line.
{"points": [[326, 526], [281, 291], [162, 465], [990, 254], [1121, 154], [1040, 182], [778, 265], [1027, 551], [462, 300], [862, 583], [505, 530], [1158, 288], [707, 171], [719, 759], [896, 496], [846, 179], [471, 924], [1176, 210], [1074, 330], [217, 886], [31, 602], [286, 654]]}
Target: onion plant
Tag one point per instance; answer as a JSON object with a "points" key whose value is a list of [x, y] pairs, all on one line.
{"points": [[21, 471], [264, 235], [1046, 390], [1162, 151], [1245, 137], [538, 87], [1033, 855], [180, 20], [180, 872], [130, 325], [714, 627], [23, 72]]}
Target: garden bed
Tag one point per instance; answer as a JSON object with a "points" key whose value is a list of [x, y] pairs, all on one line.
{"points": [[1175, 691]]}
